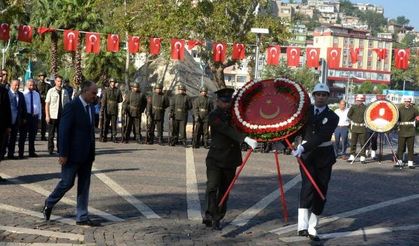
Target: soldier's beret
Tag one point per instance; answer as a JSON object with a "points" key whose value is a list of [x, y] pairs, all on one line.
{"points": [[203, 89], [158, 86], [42, 74], [181, 87]]}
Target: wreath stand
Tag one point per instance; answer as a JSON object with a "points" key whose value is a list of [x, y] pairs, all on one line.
{"points": [[380, 148], [280, 182]]}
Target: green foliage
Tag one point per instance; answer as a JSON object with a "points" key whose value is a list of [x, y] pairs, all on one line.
{"points": [[402, 20]]}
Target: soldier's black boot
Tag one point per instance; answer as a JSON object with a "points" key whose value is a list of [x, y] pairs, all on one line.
{"points": [[216, 225], [206, 145], [161, 141]]}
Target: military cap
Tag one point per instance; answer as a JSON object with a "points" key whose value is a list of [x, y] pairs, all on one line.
{"points": [[203, 89], [42, 74], [135, 85], [181, 87], [225, 94], [158, 86], [111, 80]]}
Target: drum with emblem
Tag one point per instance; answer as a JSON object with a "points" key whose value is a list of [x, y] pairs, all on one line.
{"points": [[381, 116], [270, 110]]}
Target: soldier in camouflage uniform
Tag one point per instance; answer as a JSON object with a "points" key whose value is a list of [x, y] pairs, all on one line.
{"points": [[136, 103], [180, 104], [110, 100], [406, 130], [358, 128], [43, 88], [155, 112], [202, 106], [125, 134]]}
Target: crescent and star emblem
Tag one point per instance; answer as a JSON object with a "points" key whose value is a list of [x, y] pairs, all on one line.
{"points": [[219, 48], [312, 53], [155, 41], [114, 38], [273, 51], [26, 29], [239, 47], [4, 27], [269, 116], [334, 54], [93, 38], [400, 52], [135, 40], [178, 45], [293, 52]]}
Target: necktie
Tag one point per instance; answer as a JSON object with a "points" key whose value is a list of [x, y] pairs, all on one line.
{"points": [[317, 111], [88, 113], [31, 102]]}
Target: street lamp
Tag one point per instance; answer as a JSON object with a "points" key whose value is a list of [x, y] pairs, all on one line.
{"points": [[258, 32]]}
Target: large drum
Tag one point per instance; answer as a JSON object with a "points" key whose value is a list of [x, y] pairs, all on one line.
{"points": [[381, 116], [270, 110]]}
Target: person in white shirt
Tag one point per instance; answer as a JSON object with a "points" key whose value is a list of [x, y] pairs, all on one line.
{"points": [[341, 132], [55, 101], [34, 115]]}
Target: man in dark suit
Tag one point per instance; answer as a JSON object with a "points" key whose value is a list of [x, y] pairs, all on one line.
{"points": [[224, 156], [18, 110], [317, 152], [77, 152], [6, 118]]}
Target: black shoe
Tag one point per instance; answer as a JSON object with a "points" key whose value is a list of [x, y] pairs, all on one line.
{"points": [[43, 138], [303, 233], [412, 167], [314, 238], [51, 152], [46, 212], [33, 155], [2, 179], [21, 157], [216, 225], [12, 157], [207, 222], [88, 222]]}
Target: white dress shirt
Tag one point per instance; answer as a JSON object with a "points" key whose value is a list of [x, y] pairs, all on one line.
{"points": [[343, 116], [37, 106]]}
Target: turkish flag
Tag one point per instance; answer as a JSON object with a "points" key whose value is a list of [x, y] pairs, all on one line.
{"points": [[219, 52], [178, 49], [71, 40], [293, 56], [113, 43], [312, 57], [354, 54], [401, 60], [4, 31], [381, 53], [92, 42], [133, 44], [24, 33], [193, 43], [155, 45], [239, 52], [272, 55], [333, 57], [42, 30]]}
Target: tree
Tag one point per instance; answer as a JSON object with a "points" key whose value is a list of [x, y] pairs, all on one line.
{"points": [[402, 20], [375, 21]]}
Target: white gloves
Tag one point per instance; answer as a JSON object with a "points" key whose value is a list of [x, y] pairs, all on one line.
{"points": [[298, 151], [251, 142]]}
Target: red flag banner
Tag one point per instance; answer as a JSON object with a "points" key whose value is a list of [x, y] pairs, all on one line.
{"points": [[239, 52], [24, 33], [193, 43], [333, 57], [133, 44], [401, 60], [293, 56], [354, 55], [42, 30], [71, 40], [113, 43], [155, 45], [4, 31], [312, 57], [272, 55], [178, 49], [381, 53], [92, 42], [219, 51]]}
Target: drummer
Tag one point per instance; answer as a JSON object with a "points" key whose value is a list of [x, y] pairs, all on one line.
{"points": [[317, 152], [406, 130], [358, 128]]}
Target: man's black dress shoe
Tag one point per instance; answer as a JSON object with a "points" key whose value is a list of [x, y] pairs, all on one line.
{"points": [[2, 179], [88, 222], [207, 222], [314, 238], [33, 155], [216, 225], [303, 233], [47, 212]]}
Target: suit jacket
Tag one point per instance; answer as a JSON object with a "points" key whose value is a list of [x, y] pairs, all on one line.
{"points": [[21, 110], [5, 114], [77, 139], [317, 131], [225, 151]]}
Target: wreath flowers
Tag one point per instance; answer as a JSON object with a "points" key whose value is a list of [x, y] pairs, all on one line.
{"points": [[288, 97]]}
